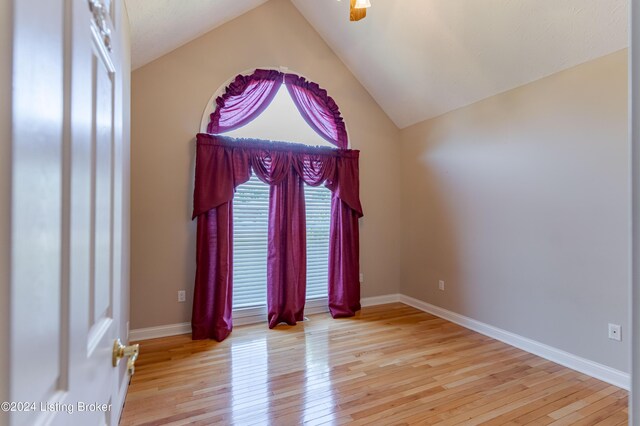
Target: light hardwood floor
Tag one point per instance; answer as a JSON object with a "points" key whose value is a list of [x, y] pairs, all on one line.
{"points": [[391, 364]]}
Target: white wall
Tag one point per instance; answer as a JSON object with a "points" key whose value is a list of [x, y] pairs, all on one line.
{"points": [[6, 28], [521, 204]]}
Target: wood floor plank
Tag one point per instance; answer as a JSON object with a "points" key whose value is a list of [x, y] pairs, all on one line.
{"points": [[562, 412], [391, 364]]}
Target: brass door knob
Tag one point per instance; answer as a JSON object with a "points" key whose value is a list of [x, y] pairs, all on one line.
{"points": [[120, 351]]}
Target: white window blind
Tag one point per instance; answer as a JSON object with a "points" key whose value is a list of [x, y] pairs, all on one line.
{"points": [[318, 209], [250, 228], [250, 224]]}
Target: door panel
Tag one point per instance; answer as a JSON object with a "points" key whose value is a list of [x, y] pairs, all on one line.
{"points": [[92, 199], [37, 375], [101, 285], [66, 212]]}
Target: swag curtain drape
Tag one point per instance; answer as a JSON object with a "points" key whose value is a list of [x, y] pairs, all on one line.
{"points": [[249, 95], [222, 164], [318, 109], [244, 99]]}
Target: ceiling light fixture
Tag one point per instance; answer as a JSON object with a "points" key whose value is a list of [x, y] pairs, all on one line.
{"points": [[358, 9]]}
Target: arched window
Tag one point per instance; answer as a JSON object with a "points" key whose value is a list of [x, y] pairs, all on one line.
{"points": [[277, 205]]}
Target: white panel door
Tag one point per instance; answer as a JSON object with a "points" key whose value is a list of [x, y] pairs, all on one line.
{"points": [[39, 359], [66, 209]]}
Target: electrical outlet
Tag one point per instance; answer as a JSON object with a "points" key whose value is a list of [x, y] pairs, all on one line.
{"points": [[182, 296], [441, 285], [361, 277], [615, 332]]}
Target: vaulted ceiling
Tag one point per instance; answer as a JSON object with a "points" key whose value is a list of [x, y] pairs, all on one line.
{"points": [[418, 58], [160, 26]]}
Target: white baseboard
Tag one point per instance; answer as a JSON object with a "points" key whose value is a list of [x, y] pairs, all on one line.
{"points": [[380, 300], [583, 365], [160, 331]]}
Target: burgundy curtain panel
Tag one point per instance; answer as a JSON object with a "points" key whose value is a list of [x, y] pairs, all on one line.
{"points": [[211, 317], [344, 267], [287, 252], [223, 163]]}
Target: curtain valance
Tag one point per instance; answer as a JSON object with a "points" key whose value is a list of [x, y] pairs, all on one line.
{"points": [[223, 163], [249, 95]]}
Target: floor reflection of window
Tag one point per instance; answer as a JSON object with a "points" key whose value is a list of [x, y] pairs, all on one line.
{"points": [[250, 382], [319, 402]]}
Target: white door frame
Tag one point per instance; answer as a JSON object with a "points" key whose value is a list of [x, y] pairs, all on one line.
{"points": [[634, 86], [6, 66]]}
